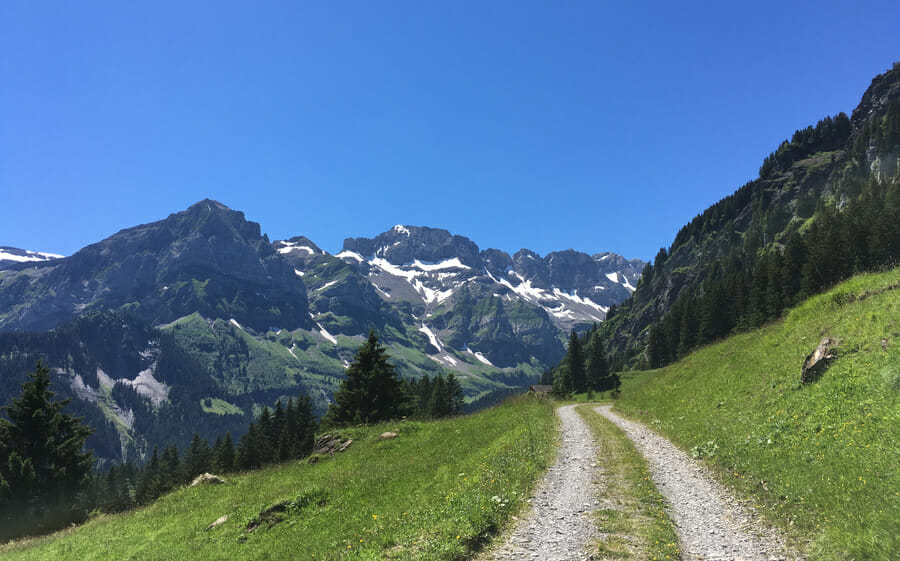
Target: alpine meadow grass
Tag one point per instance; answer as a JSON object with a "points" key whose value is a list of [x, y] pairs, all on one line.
{"points": [[438, 491], [820, 459]]}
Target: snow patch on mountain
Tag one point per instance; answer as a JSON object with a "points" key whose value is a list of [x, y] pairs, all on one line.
{"points": [[328, 284], [328, 336], [454, 263], [392, 269], [445, 359], [479, 356], [24, 255], [573, 296], [436, 343], [347, 254]]}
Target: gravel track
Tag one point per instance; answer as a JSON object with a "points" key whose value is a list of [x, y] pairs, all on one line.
{"points": [[711, 524], [559, 526]]}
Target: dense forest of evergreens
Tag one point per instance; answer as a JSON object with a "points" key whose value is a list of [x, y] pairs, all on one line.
{"points": [[747, 291], [585, 368]]}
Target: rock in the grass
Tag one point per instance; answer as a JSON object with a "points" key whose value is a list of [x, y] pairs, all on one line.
{"points": [[219, 521], [387, 435], [207, 478], [330, 444], [818, 360]]}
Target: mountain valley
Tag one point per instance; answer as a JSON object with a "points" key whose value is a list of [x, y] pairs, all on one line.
{"points": [[200, 318]]}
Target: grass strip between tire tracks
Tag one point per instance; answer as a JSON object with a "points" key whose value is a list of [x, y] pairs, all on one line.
{"points": [[634, 523]]}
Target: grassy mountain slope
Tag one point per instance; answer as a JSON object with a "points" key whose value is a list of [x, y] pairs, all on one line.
{"points": [[822, 457], [438, 491]]}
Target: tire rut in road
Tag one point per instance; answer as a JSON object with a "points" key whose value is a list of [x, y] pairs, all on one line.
{"points": [[711, 524], [560, 525]]}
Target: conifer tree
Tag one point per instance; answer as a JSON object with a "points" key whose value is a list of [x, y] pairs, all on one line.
{"points": [[248, 455], [149, 482], [42, 464], [562, 382], [457, 401], [224, 458], [170, 467], [439, 403], [197, 457], [372, 391], [575, 361], [598, 367]]}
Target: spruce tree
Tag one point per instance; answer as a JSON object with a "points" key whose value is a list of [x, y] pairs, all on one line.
{"points": [[562, 381], [372, 391], [197, 457], [598, 367], [42, 462], [575, 361], [439, 403], [305, 433], [225, 455], [457, 401]]}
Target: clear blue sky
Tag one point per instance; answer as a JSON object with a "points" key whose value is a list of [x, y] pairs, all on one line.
{"points": [[595, 125]]}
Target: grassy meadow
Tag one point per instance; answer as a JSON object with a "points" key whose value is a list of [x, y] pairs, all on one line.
{"points": [[821, 459], [439, 491]]}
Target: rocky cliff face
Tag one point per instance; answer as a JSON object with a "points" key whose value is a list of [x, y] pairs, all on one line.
{"points": [[504, 310], [207, 259]]}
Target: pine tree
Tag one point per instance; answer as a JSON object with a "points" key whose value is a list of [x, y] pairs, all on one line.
{"points": [[439, 403], [563, 385], [248, 455], [196, 458], [224, 460], [42, 464], [457, 401], [575, 361], [170, 467], [598, 367], [372, 391], [305, 432], [149, 483]]}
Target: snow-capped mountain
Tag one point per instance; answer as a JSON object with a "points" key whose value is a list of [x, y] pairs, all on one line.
{"points": [[426, 266], [470, 307], [199, 316], [10, 256]]}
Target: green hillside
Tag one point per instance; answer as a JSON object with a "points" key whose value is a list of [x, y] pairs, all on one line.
{"points": [[437, 491], [823, 458]]}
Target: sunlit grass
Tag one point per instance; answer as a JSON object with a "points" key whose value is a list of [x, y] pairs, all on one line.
{"points": [[822, 459], [438, 491]]}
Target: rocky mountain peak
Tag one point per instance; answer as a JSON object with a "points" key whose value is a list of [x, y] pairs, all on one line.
{"points": [[207, 259], [883, 89], [402, 245]]}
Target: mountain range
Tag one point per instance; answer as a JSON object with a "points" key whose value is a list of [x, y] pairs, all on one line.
{"points": [[195, 322]]}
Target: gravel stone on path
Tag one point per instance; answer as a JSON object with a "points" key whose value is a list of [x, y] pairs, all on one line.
{"points": [[560, 524], [711, 524]]}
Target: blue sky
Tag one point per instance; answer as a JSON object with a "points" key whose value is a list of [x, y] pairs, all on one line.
{"points": [[598, 126]]}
